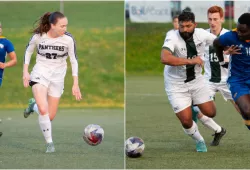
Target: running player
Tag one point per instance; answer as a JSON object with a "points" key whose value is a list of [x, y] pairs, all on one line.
{"points": [[53, 45]]}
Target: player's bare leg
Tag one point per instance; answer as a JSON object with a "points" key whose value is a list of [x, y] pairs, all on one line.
{"points": [[208, 108], [53, 106], [236, 107], [40, 95], [243, 103], [191, 129]]}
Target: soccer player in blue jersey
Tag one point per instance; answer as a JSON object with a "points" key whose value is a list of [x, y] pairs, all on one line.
{"points": [[239, 64], [6, 47]]}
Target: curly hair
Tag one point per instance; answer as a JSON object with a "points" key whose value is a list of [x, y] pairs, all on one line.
{"points": [[186, 16]]}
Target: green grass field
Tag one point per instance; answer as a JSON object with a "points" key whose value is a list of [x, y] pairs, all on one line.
{"points": [[98, 28], [22, 145], [150, 117]]}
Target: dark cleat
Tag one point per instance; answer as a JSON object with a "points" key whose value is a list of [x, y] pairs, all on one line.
{"points": [[217, 137]]}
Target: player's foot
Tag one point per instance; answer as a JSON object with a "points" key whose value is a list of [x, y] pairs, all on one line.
{"points": [[201, 146], [50, 148], [218, 136], [1, 133], [29, 109]]}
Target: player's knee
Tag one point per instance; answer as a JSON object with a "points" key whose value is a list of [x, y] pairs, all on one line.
{"points": [[246, 112], [43, 110], [187, 123]]}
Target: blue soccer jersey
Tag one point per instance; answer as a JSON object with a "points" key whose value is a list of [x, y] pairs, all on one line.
{"points": [[5, 47], [239, 67]]}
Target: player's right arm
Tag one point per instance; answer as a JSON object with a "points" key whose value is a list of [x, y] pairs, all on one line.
{"points": [[168, 58], [28, 53]]}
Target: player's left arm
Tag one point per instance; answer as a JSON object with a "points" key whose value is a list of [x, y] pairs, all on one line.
{"points": [[220, 44], [74, 64], [11, 54]]}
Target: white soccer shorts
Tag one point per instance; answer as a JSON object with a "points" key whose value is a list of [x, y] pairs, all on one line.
{"points": [[52, 79], [181, 95]]}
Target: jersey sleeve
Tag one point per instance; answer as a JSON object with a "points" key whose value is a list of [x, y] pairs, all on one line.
{"points": [[30, 48], [208, 37], [73, 56], [169, 42], [225, 39], [9, 47]]}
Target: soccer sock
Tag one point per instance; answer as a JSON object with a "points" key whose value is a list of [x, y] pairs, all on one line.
{"points": [[194, 114], [35, 108], [210, 123], [45, 126], [194, 132]]}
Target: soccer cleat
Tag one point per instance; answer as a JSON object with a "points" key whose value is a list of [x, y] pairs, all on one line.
{"points": [[201, 146], [50, 147], [217, 137], [29, 110]]}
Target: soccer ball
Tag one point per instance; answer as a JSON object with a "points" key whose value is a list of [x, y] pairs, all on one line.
{"points": [[134, 147], [93, 134]]}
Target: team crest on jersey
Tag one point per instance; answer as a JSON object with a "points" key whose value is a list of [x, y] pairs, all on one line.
{"points": [[1, 46]]}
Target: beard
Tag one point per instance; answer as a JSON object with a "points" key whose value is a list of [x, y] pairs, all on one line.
{"points": [[186, 35]]}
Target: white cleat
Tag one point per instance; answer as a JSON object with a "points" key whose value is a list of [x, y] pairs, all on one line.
{"points": [[50, 148]]}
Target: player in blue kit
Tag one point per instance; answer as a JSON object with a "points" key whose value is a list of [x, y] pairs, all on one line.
{"points": [[6, 47], [239, 64]]}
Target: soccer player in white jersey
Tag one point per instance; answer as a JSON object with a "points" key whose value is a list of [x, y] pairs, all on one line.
{"points": [[182, 55], [215, 74], [196, 114], [53, 45]]}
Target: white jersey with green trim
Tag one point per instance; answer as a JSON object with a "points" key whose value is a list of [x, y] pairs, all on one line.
{"points": [[191, 48], [213, 71]]}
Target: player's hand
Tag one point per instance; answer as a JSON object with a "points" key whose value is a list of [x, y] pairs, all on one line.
{"points": [[26, 79], [2, 65], [76, 92], [197, 60], [233, 49]]}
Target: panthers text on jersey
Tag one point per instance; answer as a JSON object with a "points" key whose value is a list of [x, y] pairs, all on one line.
{"points": [[53, 52]]}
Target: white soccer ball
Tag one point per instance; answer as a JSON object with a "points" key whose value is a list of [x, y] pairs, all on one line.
{"points": [[93, 134], [134, 147]]}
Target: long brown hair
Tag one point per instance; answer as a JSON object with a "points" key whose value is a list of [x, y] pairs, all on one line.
{"points": [[44, 22]]}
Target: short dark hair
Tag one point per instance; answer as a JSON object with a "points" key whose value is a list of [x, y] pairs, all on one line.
{"points": [[186, 16], [174, 17], [244, 19]]}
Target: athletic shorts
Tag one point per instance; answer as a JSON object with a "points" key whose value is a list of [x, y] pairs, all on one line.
{"points": [[52, 79], [181, 95]]}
